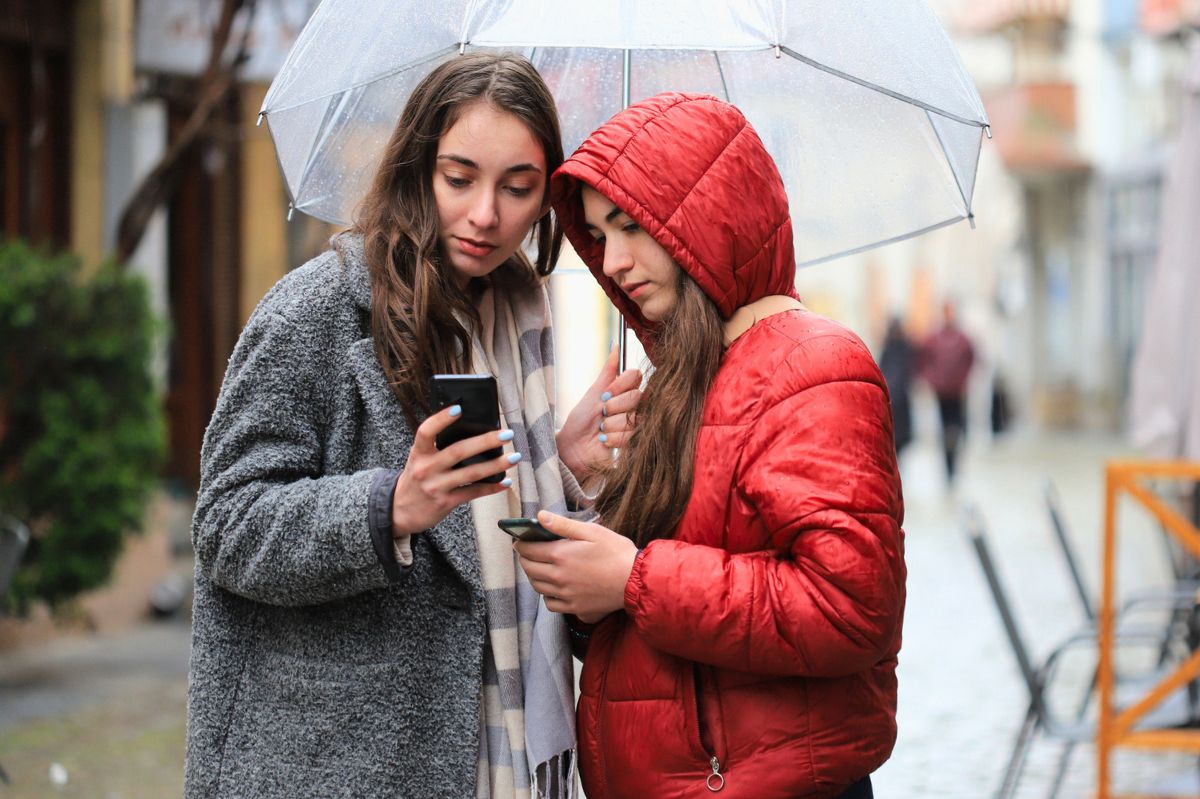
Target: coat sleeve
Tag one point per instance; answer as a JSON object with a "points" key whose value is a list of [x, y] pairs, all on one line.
{"points": [[269, 525], [827, 597]]}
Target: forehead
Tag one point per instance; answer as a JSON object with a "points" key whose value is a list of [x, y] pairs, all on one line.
{"points": [[490, 136], [596, 207]]}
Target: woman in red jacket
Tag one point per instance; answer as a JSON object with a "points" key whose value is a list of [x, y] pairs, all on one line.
{"points": [[743, 622]]}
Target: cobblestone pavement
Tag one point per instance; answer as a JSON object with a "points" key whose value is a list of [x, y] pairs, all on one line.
{"points": [[110, 710]]}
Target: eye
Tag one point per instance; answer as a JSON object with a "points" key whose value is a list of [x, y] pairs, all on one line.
{"points": [[518, 191], [457, 182], [631, 227], [598, 237]]}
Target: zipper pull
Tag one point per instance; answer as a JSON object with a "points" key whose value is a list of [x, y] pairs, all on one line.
{"points": [[716, 780]]}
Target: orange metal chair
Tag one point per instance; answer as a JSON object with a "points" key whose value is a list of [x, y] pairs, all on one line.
{"points": [[1119, 727]]}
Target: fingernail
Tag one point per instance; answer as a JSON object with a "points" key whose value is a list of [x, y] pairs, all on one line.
{"points": [[603, 438], [507, 435], [606, 396], [506, 482], [514, 458], [455, 410]]}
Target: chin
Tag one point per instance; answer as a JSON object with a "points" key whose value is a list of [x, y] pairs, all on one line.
{"points": [[475, 269]]}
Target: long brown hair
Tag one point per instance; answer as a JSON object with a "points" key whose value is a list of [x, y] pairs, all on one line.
{"points": [[414, 299], [646, 490]]}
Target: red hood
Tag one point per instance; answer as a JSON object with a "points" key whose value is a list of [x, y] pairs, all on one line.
{"points": [[690, 170]]}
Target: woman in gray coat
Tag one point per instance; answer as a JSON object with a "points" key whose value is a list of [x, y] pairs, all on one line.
{"points": [[360, 626]]}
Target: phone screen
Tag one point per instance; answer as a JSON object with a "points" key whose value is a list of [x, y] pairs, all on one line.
{"points": [[480, 413], [527, 530]]}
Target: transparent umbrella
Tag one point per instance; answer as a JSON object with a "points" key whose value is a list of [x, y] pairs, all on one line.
{"points": [[864, 104]]}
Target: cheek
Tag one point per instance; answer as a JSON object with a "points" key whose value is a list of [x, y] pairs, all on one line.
{"points": [[524, 214], [445, 206]]}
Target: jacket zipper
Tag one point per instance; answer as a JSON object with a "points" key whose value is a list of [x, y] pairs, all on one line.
{"points": [[716, 780]]}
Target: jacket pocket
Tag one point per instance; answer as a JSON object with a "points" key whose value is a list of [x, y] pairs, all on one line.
{"points": [[312, 729]]}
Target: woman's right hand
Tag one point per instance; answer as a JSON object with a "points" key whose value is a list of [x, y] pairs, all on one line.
{"points": [[430, 487]]}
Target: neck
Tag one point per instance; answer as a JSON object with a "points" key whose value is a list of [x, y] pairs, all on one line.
{"points": [[745, 317]]}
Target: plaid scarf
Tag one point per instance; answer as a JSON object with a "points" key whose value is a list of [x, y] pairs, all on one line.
{"points": [[527, 743]]}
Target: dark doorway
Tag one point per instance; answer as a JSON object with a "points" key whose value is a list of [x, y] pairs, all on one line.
{"points": [[203, 255], [35, 122]]}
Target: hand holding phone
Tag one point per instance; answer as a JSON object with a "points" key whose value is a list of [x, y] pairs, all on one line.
{"points": [[527, 530], [476, 395], [430, 486]]}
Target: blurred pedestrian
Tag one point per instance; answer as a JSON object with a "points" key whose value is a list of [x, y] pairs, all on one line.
{"points": [[360, 626], [1001, 404], [897, 362], [944, 361], [747, 580]]}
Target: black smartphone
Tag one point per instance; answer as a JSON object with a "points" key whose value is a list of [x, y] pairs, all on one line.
{"points": [[480, 413], [527, 530]]}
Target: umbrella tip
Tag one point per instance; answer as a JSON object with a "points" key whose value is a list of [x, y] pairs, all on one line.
{"points": [[462, 47], [777, 52], [291, 211], [988, 130], [258, 124], [971, 219]]}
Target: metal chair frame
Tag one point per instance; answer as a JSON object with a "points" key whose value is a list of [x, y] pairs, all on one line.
{"points": [[1038, 677]]}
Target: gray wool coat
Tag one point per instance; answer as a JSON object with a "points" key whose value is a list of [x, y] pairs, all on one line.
{"points": [[313, 675]]}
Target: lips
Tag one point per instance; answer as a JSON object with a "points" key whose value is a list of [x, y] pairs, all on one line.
{"points": [[474, 248], [634, 289]]}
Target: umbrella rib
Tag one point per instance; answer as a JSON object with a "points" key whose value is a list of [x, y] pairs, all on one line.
{"points": [[402, 68], [957, 182], [287, 186], [721, 72], [881, 243], [882, 90]]}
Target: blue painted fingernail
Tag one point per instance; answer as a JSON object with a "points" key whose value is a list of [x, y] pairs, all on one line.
{"points": [[606, 396], [455, 410], [507, 435], [603, 438], [514, 458], [506, 482]]}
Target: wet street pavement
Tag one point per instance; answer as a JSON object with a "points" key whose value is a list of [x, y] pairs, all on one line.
{"points": [[110, 710]]}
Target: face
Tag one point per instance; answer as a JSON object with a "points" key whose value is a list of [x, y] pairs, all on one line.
{"points": [[489, 183], [632, 258]]}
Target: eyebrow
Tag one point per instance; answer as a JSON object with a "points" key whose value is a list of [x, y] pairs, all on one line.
{"points": [[610, 216], [467, 162]]}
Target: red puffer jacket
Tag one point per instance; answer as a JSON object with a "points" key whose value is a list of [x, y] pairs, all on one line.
{"points": [[759, 641]]}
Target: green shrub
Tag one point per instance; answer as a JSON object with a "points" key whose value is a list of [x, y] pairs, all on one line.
{"points": [[82, 433]]}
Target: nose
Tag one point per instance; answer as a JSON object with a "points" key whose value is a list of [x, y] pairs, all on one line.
{"points": [[617, 259], [484, 212]]}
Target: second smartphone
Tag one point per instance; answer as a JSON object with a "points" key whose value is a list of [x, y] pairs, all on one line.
{"points": [[527, 530]]}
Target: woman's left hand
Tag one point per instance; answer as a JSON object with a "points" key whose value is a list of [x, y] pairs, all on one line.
{"points": [[584, 575], [601, 422]]}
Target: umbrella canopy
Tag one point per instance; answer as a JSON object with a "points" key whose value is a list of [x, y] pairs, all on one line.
{"points": [[1165, 392], [864, 105]]}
